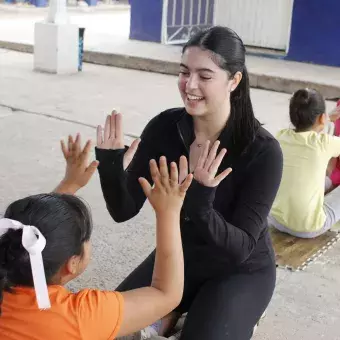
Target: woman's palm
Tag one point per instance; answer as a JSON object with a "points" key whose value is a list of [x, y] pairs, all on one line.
{"points": [[208, 164], [112, 137]]}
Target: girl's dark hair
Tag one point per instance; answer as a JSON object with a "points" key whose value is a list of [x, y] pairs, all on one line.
{"points": [[65, 222], [229, 54], [305, 107]]}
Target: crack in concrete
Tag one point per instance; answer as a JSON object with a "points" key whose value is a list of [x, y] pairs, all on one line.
{"points": [[46, 115]]}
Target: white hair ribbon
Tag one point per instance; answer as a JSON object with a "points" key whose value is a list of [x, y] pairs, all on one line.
{"points": [[34, 242]]}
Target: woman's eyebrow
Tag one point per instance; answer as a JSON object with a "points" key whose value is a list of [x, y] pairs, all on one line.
{"points": [[199, 69]]}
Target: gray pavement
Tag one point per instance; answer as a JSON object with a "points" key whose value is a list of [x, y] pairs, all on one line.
{"points": [[37, 109], [106, 43]]}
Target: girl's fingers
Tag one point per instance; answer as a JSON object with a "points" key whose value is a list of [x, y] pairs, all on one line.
{"points": [[186, 184], [212, 155], [183, 168], [218, 179], [99, 135], [217, 162], [163, 170], [70, 143], [64, 149], [91, 169], [204, 154], [77, 145], [107, 128], [145, 186], [74, 149], [86, 151], [173, 174], [154, 170], [158, 182]]}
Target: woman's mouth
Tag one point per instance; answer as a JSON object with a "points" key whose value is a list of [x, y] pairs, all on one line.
{"points": [[193, 98]]}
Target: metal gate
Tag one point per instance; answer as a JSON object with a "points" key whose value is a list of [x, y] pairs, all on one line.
{"points": [[260, 23], [183, 18]]}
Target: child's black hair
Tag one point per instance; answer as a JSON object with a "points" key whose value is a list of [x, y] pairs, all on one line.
{"points": [[64, 221], [305, 107]]}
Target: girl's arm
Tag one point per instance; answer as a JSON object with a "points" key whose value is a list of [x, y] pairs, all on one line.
{"points": [[144, 306]]}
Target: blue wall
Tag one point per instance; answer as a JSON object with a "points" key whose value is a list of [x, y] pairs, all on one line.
{"points": [[146, 20], [315, 33]]}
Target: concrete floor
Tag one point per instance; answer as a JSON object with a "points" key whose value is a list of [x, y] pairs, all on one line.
{"points": [[48, 107]]}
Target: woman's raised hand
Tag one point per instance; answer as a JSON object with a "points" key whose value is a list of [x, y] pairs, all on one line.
{"points": [[208, 164], [111, 137]]}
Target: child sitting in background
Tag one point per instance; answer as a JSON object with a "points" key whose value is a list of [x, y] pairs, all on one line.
{"points": [[45, 243], [301, 207]]}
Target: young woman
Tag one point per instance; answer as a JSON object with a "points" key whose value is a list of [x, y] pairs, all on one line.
{"points": [[45, 243], [229, 261], [301, 207]]}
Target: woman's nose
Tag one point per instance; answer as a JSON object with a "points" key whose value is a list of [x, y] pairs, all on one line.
{"points": [[192, 82]]}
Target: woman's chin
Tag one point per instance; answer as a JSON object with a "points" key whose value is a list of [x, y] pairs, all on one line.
{"points": [[195, 111]]}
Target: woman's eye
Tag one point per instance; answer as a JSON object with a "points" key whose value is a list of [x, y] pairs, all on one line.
{"points": [[205, 77], [184, 73]]}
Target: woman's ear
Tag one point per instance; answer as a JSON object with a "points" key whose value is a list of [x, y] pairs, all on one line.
{"points": [[235, 81]]}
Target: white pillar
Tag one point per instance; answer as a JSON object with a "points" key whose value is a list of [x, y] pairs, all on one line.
{"points": [[56, 42], [57, 12]]}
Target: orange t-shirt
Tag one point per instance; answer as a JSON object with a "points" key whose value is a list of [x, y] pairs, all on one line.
{"points": [[87, 315]]}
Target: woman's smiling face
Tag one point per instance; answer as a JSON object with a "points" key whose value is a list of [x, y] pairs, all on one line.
{"points": [[203, 85]]}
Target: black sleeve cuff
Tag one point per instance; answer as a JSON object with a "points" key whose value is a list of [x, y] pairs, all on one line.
{"points": [[199, 199], [110, 158]]}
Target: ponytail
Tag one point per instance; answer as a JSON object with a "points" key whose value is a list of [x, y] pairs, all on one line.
{"points": [[244, 122]]}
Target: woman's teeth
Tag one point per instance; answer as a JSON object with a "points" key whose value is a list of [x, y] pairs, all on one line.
{"points": [[191, 97]]}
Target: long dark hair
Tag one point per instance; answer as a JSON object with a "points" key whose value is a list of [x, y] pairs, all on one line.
{"points": [[64, 221], [306, 105], [229, 51]]}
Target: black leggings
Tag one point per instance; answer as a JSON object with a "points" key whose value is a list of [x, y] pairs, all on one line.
{"points": [[220, 307]]}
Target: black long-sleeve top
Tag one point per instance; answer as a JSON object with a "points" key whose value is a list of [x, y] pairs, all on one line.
{"points": [[224, 226]]}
